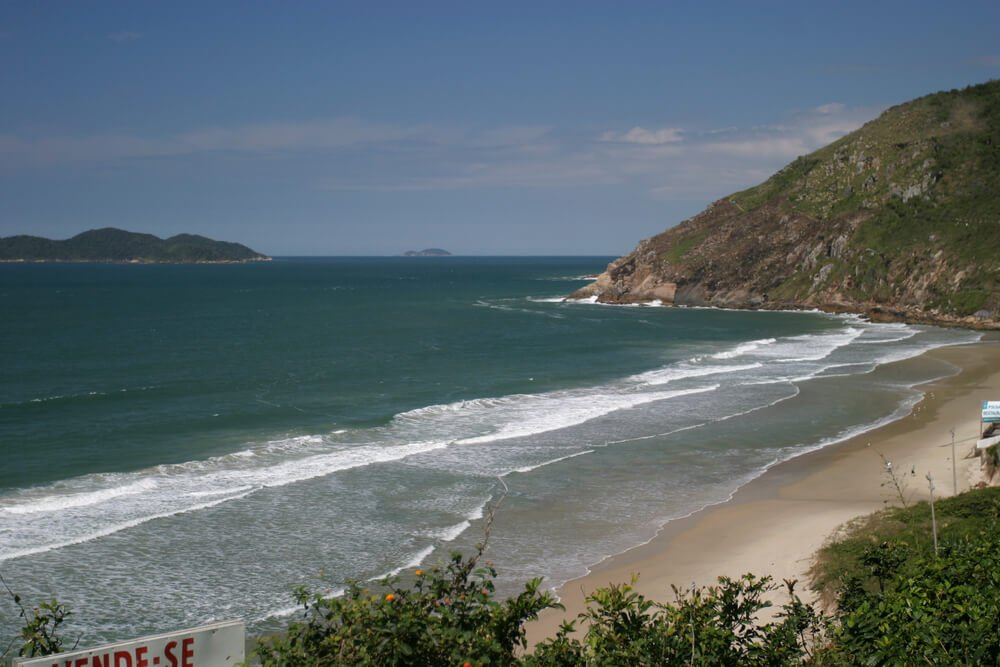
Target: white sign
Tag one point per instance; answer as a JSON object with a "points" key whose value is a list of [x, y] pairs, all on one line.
{"points": [[214, 645], [991, 411]]}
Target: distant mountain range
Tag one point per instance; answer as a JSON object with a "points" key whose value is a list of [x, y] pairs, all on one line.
{"points": [[116, 245], [899, 219]]}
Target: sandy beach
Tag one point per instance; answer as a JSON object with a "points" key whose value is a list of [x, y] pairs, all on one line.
{"points": [[775, 524]]}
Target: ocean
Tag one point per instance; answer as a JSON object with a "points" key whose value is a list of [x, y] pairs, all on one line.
{"points": [[189, 443]]}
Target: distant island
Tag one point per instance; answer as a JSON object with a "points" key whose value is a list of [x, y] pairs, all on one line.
{"points": [[427, 252], [119, 246]]}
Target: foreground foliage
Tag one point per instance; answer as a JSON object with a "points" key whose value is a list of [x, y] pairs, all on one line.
{"points": [[716, 625], [899, 603], [448, 617], [40, 632], [445, 617], [893, 601]]}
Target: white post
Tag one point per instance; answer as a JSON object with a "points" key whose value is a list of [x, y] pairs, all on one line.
{"points": [[692, 624], [930, 485], [954, 471]]}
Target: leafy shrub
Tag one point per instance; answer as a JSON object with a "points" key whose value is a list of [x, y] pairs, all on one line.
{"points": [[447, 617], [898, 604], [717, 625], [937, 610], [40, 632]]}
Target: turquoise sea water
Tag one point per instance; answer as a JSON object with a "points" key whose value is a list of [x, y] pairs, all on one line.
{"points": [[186, 443]]}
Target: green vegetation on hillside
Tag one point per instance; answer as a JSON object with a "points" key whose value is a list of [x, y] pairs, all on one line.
{"points": [[116, 245], [924, 178], [900, 217]]}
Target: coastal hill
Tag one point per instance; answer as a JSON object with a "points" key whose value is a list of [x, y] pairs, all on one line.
{"points": [[116, 245], [899, 220], [427, 252]]}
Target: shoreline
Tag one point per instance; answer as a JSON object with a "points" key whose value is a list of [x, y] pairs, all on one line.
{"points": [[872, 313], [774, 524]]}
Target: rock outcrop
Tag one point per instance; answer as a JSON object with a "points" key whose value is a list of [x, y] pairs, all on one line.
{"points": [[899, 219]]}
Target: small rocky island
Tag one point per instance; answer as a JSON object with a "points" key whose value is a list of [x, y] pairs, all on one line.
{"points": [[119, 246], [427, 252]]}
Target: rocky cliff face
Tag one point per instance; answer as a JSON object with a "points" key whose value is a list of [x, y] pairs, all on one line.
{"points": [[900, 220]]}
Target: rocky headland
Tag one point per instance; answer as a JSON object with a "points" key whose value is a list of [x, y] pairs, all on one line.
{"points": [[899, 220]]}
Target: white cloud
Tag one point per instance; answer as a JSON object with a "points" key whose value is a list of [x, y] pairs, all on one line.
{"points": [[831, 108], [639, 135], [557, 173], [311, 136], [713, 162], [294, 136], [352, 154]]}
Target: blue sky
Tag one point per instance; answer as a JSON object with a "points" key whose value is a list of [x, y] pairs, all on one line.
{"points": [[370, 128]]}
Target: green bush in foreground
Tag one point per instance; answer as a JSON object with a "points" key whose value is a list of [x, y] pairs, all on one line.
{"points": [[897, 603], [716, 625], [935, 610], [446, 617], [40, 632]]}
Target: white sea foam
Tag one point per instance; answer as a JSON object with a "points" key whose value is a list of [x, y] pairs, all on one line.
{"points": [[687, 370], [47, 398], [814, 347], [549, 413], [451, 533], [62, 502], [513, 309], [76, 511], [104, 531], [568, 278], [129, 500], [536, 466], [413, 562], [219, 492], [880, 337], [650, 436], [744, 348], [168, 490]]}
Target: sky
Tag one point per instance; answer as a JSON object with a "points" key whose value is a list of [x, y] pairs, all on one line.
{"points": [[485, 128]]}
